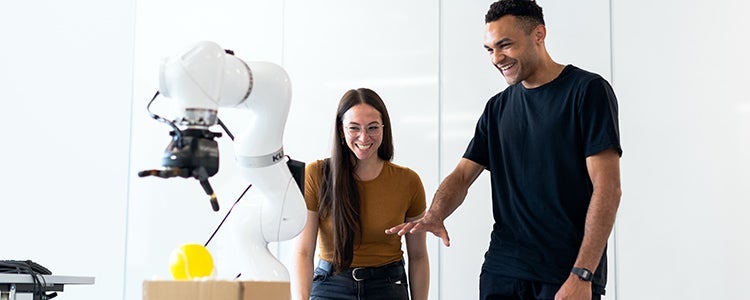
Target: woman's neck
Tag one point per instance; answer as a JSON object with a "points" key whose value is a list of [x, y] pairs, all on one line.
{"points": [[367, 170]]}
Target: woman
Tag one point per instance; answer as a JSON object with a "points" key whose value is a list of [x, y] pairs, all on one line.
{"points": [[352, 198]]}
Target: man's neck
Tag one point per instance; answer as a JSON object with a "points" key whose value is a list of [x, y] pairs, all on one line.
{"points": [[547, 72]]}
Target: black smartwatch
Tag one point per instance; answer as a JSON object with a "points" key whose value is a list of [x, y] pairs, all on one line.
{"points": [[583, 273]]}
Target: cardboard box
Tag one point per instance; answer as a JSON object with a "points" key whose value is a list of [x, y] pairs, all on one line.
{"points": [[215, 290]]}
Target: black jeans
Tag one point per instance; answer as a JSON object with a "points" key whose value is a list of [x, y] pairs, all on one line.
{"points": [[379, 283], [494, 287]]}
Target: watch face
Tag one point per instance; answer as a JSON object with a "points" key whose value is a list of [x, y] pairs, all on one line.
{"points": [[582, 273]]}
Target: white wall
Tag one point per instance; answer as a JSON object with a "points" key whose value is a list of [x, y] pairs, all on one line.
{"points": [[680, 71], [81, 66], [65, 85]]}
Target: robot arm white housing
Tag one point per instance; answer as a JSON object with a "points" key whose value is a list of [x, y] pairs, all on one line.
{"points": [[206, 78]]}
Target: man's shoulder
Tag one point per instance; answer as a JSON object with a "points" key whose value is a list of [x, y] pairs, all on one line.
{"points": [[502, 94], [581, 75]]}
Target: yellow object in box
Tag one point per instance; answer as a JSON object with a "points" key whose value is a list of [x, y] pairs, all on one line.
{"points": [[191, 261], [215, 290]]}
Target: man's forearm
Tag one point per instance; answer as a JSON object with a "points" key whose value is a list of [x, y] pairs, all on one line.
{"points": [[449, 196], [604, 171], [600, 220], [452, 191]]}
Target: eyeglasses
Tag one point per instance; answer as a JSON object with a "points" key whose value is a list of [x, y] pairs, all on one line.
{"points": [[371, 130]]}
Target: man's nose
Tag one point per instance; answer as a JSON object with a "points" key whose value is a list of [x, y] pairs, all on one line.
{"points": [[497, 57]]}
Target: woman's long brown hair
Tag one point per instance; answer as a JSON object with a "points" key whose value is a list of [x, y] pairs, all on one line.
{"points": [[339, 197]]}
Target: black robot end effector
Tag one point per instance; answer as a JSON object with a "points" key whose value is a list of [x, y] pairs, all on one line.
{"points": [[198, 173], [191, 153], [166, 173], [202, 176]]}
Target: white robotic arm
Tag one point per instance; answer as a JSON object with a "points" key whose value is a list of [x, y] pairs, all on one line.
{"points": [[203, 79]]}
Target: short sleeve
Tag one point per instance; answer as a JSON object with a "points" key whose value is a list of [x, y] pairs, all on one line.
{"points": [[598, 117], [418, 203], [313, 175], [478, 148]]}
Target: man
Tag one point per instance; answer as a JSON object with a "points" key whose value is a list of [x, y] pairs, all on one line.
{"points": [[551, 143]]}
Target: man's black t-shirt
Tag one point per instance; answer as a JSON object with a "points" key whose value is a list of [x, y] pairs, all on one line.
{"points": [[535, 142]]}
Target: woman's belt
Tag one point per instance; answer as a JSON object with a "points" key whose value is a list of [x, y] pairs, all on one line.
{"points": [[395, 268]]}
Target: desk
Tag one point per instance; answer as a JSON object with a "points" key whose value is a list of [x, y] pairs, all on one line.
{"points": [[21, 286]]}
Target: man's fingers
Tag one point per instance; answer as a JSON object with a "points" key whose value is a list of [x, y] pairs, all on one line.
{"points": [[420, 226], [395, 229], [439, 232], [445, 238], [407, 228], [400, 229], [415, 228], [443, 235]]}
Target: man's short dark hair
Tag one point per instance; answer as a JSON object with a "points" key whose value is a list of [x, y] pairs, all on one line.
{"points": [[527, 11]]}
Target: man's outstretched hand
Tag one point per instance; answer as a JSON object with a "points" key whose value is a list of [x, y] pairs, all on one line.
{"points": [[427, 223]]}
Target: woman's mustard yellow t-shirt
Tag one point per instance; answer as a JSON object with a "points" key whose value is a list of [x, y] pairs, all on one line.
{"points": [[386, 201]]}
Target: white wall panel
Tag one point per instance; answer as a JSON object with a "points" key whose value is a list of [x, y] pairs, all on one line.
{"points": [[325, 53], [165, 213], [388, 46], [66, 76], [468, 80], [681, 70]]}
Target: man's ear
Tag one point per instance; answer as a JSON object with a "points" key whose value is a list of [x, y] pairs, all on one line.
{"points": [[540, 32]]}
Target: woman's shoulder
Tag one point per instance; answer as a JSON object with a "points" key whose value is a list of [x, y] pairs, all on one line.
{"points": [[315, 167], [316, 163], [397, 169]]}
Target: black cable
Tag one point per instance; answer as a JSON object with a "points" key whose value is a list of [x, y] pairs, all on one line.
{"points": [[28, 267], [21, 267], [227, 215], [177, 132], [231, 136], [38, 289]]}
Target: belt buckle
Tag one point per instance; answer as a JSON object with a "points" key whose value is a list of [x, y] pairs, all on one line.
{"points": [[354, 274]]}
